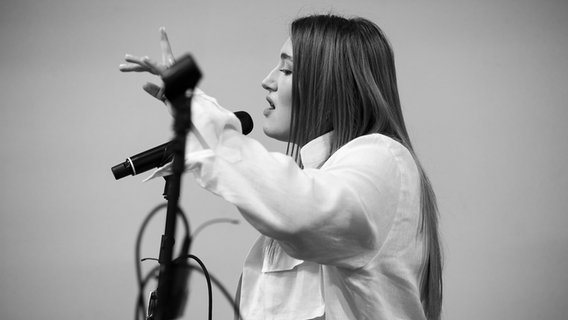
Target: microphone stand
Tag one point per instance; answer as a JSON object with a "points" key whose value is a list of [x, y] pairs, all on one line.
{"points": [[171, 292]]}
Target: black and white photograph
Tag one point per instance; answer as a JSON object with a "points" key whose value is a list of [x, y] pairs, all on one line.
{"points": [[284, 160]]}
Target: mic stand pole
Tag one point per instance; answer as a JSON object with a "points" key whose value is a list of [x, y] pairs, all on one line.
{"points": [[178, 79]]}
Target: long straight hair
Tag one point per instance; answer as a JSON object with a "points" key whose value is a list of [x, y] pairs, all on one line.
{"points": [[345, 80]]}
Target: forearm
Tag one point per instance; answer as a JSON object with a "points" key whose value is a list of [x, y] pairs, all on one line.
{"points": [[317, 215]]}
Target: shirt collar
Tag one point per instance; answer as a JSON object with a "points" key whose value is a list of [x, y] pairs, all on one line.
{"points": [[317, 151]]}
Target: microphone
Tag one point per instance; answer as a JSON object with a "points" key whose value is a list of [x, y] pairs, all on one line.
{"points": [[162, 154]]}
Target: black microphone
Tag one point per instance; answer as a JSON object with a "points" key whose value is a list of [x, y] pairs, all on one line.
{"points": [[162, 154]]}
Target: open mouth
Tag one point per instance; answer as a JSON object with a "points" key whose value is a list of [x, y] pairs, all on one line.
{"points": [[271, 104]]}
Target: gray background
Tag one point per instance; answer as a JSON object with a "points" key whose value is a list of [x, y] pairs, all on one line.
{"points": [[483, 87]]}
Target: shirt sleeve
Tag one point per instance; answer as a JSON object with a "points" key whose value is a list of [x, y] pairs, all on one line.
{"points": [[339, 214]]}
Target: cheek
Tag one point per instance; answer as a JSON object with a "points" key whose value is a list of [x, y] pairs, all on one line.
{"points": [[277, 125], [286, 108], [281, 119], [286, 92]]}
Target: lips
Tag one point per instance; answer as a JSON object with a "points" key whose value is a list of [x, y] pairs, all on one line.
{"points": [[271, 103]]}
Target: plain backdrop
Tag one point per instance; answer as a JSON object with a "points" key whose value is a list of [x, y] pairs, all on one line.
{"points": [[483, 88]]}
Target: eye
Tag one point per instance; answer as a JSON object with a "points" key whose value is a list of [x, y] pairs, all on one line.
{"points": [[286, 71]]}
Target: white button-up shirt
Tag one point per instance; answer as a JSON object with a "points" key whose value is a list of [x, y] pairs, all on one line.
{"points": [[339, 239]]}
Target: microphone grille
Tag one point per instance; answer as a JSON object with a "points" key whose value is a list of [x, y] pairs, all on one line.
{"points": [[246, 121]]}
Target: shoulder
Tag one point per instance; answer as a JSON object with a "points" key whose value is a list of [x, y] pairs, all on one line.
{"points": [[374, 147], [377, 158]]}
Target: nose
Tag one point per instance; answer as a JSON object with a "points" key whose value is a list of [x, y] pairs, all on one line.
{"points": [[269, 83]]}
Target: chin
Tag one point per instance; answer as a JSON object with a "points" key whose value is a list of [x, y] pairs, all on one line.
{"points": [[280, 136]]}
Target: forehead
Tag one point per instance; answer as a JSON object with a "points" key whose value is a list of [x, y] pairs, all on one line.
{"points": [[286, 51]]}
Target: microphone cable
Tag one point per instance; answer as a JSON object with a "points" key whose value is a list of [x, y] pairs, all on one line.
{"points": [[140, 307]]}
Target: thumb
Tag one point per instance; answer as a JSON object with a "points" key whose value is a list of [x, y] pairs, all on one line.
{"points": [[154, 90]]}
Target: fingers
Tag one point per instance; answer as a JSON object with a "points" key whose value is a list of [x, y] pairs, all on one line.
{"points": [[135, 64], [140, 64], [145, 64], [155, 91], [126, 67], [153, 66], [167, 55]]}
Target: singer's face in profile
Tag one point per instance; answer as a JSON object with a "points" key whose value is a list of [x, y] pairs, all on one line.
{"points": [[278, 83]]}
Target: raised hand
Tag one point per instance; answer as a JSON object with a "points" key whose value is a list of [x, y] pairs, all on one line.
{"points": [[145, 64]]}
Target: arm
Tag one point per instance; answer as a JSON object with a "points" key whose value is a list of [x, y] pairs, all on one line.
{"points": [[339, 214]]}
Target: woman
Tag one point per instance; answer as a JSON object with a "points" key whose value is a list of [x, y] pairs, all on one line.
{"points": [[348, 218]]}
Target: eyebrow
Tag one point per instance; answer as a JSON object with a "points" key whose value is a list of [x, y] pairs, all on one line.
{"points": [[285, 56]]}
